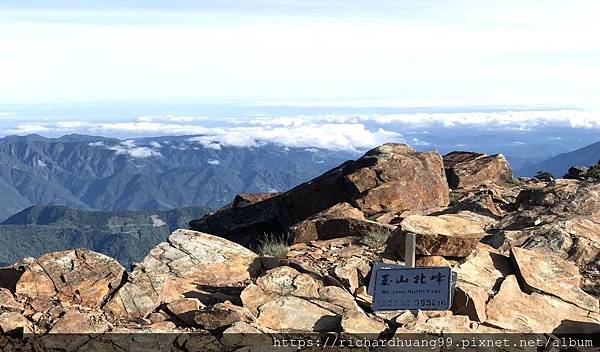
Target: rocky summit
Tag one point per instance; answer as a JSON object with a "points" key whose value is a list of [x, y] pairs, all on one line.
{"points": [[390, 180], [526, 254]]}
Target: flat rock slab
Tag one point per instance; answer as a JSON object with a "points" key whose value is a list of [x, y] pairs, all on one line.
{"points": [[175, 269], [552, 275], [444, 235], [477, 278], [74, 322], [77, 276], [517, 311], [289, 313]]}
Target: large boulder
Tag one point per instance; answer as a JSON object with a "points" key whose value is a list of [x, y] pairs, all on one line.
{"points": [[75, 277], [561, 198], [390, 178], [444, 235], [468, 170], [178, 268], [560, 218], [576, 173]]}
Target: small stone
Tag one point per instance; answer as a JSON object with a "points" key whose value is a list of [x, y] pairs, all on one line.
{"points": [[185, 309], [8, 303], [432, 260], [157, 317], [351, 272], [354, 322], [14, 322], [218, 317], [406, 318]]}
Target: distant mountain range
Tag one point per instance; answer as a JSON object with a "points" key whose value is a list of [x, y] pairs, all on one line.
{"points": [[122, 197], [124, 235], [561, 163], [102, 174]]}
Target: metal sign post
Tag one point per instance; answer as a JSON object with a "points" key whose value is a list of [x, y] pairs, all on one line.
{"points": [[410, 250]]}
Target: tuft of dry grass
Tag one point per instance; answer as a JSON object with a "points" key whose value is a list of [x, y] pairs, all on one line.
{"points": [[273, 246]]}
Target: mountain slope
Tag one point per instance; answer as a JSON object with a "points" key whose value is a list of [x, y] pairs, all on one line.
{"points": [[125, 235], [560, 164], [97, 173]]}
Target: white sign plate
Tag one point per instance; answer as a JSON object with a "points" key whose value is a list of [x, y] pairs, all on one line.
{"points": [[424, 288]]}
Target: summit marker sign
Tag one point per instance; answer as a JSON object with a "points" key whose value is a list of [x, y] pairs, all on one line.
{"points": [[424, 288]]}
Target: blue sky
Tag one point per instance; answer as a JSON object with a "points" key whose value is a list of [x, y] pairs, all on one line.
{"points": [[406, 53]]}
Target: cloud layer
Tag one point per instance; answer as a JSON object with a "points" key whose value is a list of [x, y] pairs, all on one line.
{"points": [[327, 131]]}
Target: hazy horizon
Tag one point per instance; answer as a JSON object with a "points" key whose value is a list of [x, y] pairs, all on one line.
{"points": [[430, 53]]}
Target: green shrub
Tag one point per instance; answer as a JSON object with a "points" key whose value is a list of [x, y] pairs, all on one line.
{"points": [[273, 246], [376, 238], [545, 176]]}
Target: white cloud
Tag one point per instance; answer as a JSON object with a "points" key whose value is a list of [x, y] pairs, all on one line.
{"points": [[96, 144], [213, 162], [326, 136], [155, 144], [32, 128], [129, 147], [215, 146], [418, 142]]}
